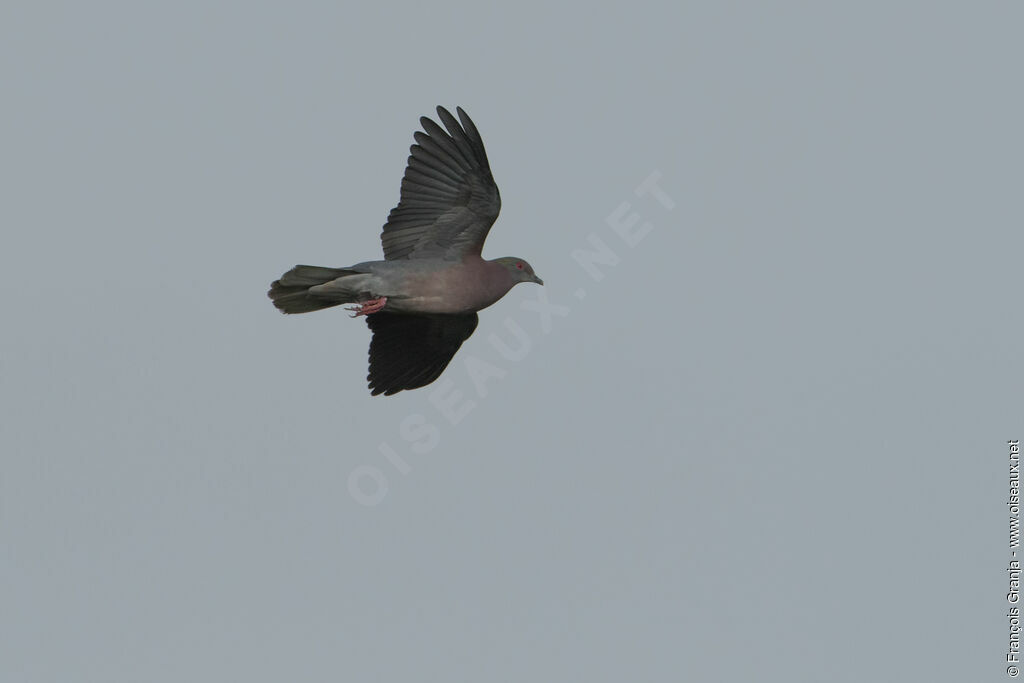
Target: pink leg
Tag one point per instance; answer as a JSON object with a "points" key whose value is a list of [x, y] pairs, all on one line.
{"points": [[367, 307]]}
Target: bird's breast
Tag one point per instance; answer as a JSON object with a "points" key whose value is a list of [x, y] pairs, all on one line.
{"points": [[462, 288]]}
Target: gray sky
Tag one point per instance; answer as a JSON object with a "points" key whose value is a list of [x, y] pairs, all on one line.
{"points": [[768, 444]]}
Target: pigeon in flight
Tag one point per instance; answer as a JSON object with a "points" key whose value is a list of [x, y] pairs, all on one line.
{"points": [[420, 302]]}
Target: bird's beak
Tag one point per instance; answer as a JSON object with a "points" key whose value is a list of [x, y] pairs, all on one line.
{"points": [[537, 280]]}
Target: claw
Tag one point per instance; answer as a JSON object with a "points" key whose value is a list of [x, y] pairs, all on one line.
{"points": [[367, 307]]}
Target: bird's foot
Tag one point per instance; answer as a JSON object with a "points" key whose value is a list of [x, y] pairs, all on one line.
{"points": [[367, 307]]}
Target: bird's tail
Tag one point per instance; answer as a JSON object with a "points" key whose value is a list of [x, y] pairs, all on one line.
{"points": [[291, 293]]}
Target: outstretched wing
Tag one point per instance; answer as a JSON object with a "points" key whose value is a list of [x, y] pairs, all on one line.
{"points": [[411, 351], [449, 200]]}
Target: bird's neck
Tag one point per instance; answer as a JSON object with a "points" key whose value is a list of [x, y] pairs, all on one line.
{"points": [[493, 278]]}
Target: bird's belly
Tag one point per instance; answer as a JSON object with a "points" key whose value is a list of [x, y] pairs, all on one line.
{"points": [[429, 304], [441, 293]]}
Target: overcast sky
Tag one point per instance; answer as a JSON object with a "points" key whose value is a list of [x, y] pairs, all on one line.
{"points": [[763, 440]]}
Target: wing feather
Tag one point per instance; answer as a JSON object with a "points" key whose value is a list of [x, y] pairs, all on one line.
{"points": [[410, 351], [449, 200]]}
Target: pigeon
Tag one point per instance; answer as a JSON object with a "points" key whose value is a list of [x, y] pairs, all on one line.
{"points": [[421, 301]]}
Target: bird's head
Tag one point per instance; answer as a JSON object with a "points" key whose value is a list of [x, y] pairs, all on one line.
{"points": [[520, 269]]}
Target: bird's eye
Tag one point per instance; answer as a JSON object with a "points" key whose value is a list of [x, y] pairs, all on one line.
{"points": [[519, 266]]}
